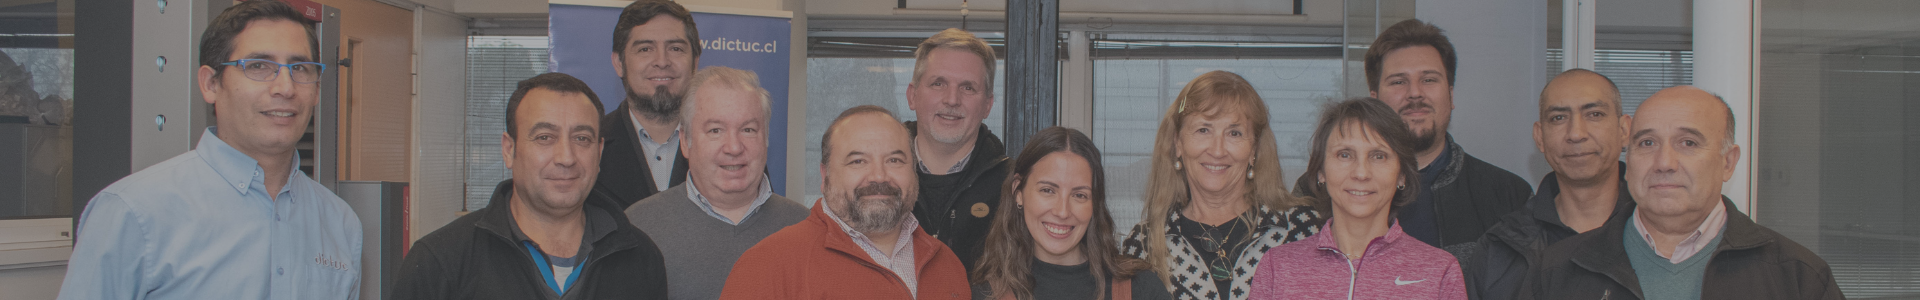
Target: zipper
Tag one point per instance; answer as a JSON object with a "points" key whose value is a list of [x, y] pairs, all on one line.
{"points": [[896, 277], [951, 215], [1438, 221], [1353, 275]]}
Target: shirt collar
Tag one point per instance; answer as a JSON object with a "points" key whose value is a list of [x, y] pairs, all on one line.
{"points": [[236, 169], [1328, 243], [642, 130], [693, 192], [1695, 242], [922, 165]]}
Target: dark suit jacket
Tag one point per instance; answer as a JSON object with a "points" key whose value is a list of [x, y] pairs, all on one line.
{"points": [[625, 175]]}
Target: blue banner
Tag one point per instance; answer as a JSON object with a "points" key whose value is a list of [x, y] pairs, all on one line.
{"points": [[582, 40]]}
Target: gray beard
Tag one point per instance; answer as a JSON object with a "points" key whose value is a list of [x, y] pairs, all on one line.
{"points": [[661, 105], [873, 215]]}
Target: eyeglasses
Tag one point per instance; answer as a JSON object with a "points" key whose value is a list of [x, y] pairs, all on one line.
{"points": [[267, 70], [1218, 267]]}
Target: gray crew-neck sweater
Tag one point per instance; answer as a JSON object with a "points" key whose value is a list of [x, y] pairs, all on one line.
{"points": [[699, 249]]}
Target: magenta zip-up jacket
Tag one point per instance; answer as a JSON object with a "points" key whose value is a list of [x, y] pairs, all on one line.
{"points": [[1394, 266]]}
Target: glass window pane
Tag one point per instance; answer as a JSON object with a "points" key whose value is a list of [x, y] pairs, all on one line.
{"points": [[1130, 96], [495, 67], [36, 109], [1838, 153]]}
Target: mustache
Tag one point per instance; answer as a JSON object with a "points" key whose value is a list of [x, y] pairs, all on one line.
{"points": [[1414, 106], [878, 188], [952, 111]]}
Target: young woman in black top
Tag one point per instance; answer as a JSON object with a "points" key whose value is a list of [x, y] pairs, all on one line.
{"points": [[1057, 242]]}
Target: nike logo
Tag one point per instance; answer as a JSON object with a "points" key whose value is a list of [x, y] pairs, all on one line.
{"points": [[1397, 281]]}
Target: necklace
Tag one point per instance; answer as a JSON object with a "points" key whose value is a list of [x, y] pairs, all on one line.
{"points": [[1219, 267]]}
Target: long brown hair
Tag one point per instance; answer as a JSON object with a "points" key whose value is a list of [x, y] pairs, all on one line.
{"points": [[1006, 266], [1209, 95]]}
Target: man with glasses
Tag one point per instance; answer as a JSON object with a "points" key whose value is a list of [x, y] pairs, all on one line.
{"points": [[232, 219]]}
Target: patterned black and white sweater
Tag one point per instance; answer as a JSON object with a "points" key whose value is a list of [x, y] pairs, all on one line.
{"points": [[1188, 271]]}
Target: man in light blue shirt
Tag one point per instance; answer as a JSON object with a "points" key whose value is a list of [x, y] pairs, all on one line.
{"points": [[232, 219]]}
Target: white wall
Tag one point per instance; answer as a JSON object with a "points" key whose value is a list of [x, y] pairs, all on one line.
{"points": [[32, 283], [1501, 70]]}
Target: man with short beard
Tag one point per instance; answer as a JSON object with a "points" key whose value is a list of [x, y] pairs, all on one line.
{"points": [[1410, 67], [655, 49], [860, 241], [961, 163]]}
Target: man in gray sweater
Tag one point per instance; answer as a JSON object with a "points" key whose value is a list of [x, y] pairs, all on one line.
{"points": [[727, 204]]}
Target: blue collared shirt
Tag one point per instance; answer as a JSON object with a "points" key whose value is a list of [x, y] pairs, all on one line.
{"points": [[200, 226], [693, 192]]}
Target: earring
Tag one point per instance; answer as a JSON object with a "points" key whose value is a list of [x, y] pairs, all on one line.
{"points": [[1176, 164], [1402, 186], [1249, 172]]}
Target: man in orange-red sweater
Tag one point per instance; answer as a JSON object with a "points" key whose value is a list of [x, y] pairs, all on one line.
{"points": [[861, 241]]}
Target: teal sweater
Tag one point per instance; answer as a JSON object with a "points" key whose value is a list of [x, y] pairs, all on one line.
{"points": [[1661, 279]]}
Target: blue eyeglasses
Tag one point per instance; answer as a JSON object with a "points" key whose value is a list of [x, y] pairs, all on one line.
{"points": [[267, 70]]}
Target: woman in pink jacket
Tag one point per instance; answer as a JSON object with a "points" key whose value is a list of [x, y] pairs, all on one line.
{"points": [[1362, 171]]}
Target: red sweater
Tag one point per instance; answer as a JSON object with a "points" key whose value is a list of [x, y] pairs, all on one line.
{"points": [[815, 260]]}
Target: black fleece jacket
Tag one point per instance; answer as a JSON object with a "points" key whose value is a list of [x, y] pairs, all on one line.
{"points": [[478, 257], [958, 208]]}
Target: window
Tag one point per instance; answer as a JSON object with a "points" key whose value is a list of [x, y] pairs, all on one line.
{"points": [[36, 105], [1839, 144], [495, 66], [1639, 73], [1130, 96]]}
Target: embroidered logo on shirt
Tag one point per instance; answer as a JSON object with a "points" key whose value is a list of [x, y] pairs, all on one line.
{"points": [[329, 262], [1397, 281]]}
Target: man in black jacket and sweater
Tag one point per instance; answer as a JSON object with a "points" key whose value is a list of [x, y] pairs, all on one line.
{"points": [[1581, 130], [545, 234], [655, 50], [1410, 67], [1683, 239], [961, 163]]}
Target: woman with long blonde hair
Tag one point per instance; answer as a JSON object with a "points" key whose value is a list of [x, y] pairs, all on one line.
{"points": [[1058, 241], [1215, 198]]}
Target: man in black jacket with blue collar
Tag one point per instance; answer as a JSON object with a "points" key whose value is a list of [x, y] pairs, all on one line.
{"points": [[545, 234], [1580, 132]]}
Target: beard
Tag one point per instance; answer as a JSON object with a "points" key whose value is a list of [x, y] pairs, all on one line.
{"points": [[874, 215], [1422, 141], [661, 105]]}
